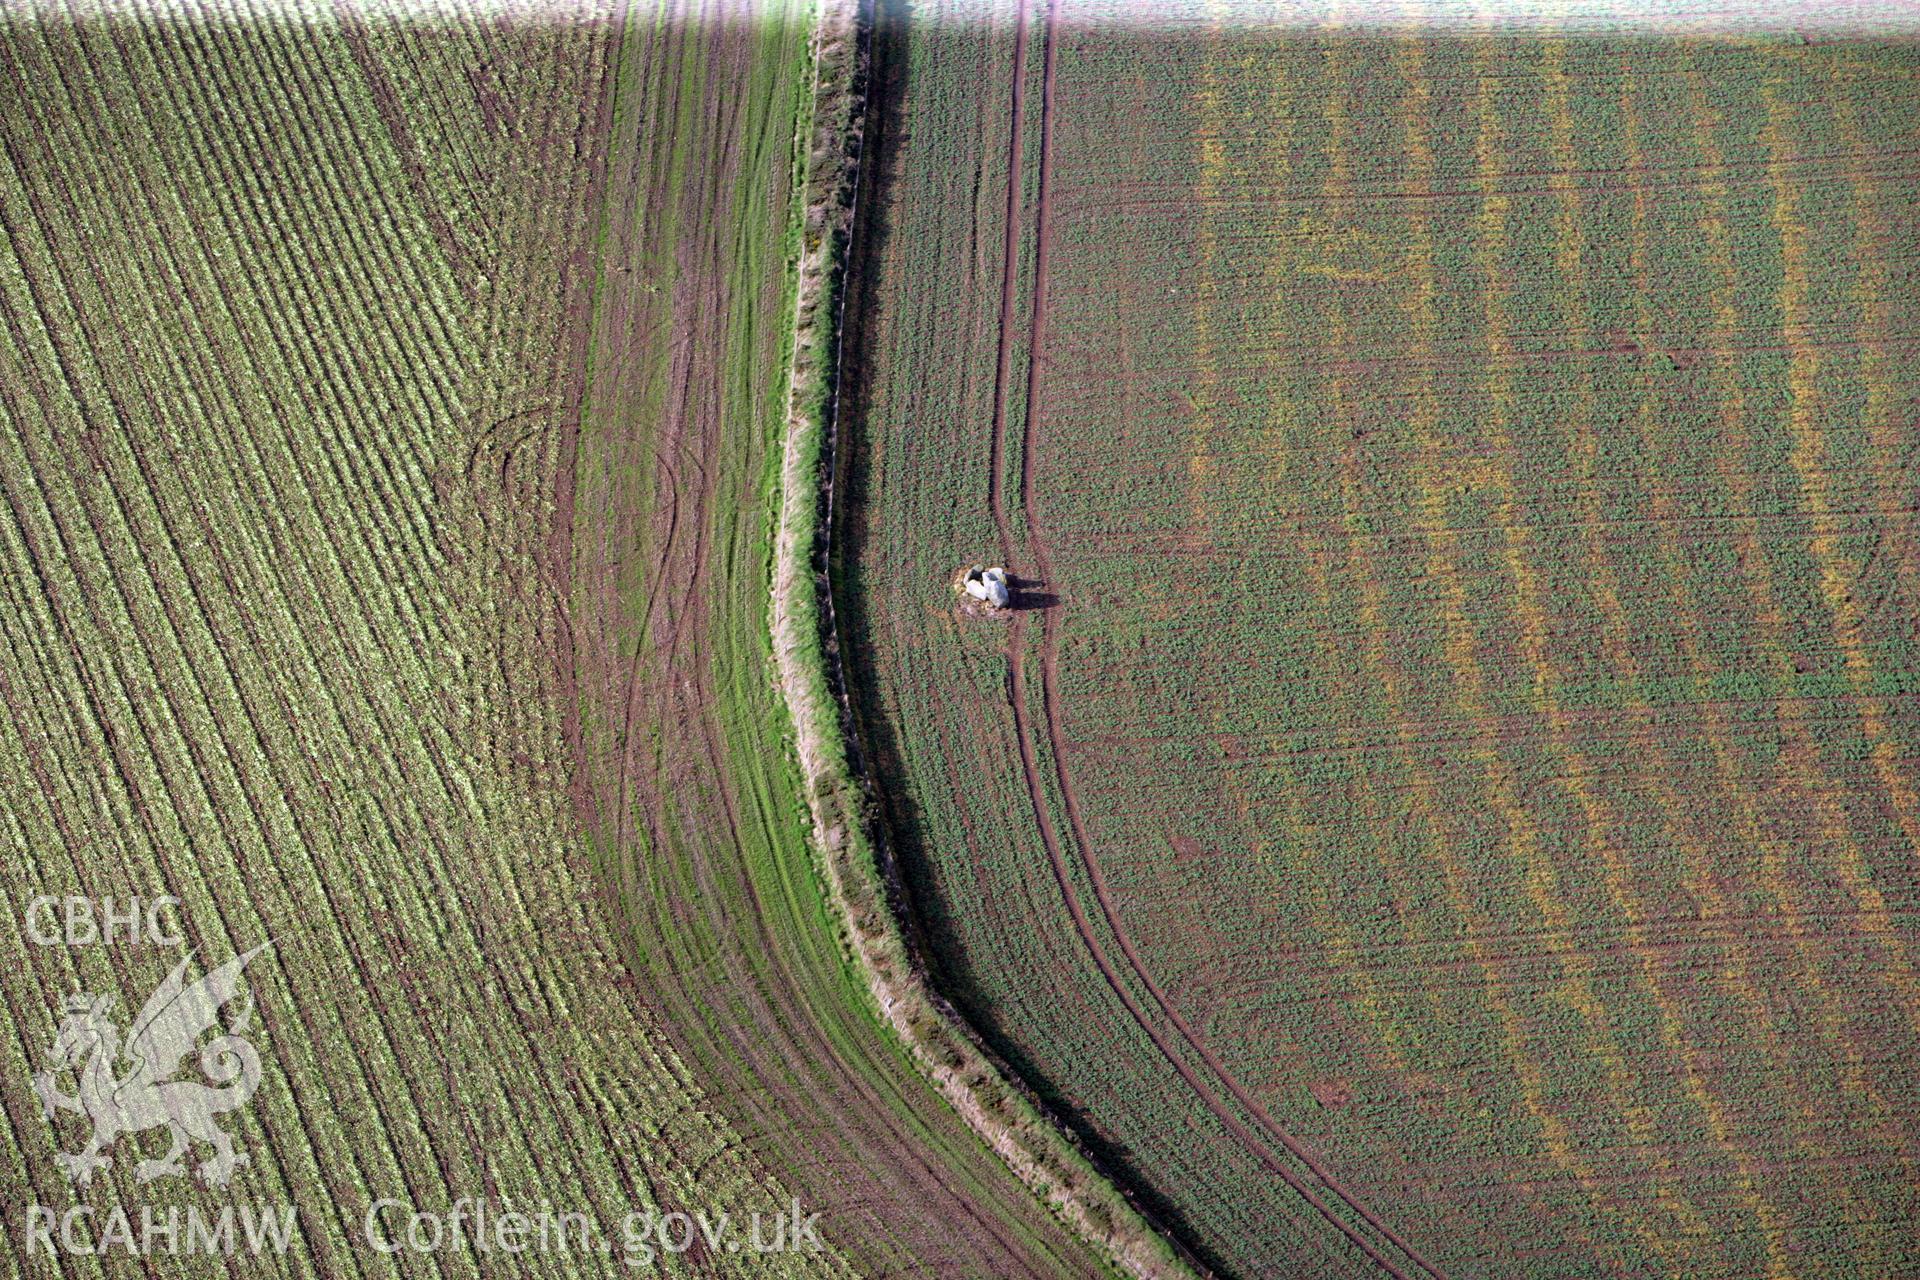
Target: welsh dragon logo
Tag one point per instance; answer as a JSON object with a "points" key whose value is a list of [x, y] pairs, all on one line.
{"points": [[143, 1096]]}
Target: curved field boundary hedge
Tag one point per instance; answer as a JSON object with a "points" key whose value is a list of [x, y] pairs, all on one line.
{"points": [[985, 1095]]}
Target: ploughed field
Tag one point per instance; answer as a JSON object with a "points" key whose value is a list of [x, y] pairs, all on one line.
{"points": [[386, 409], [1445, 801], [280, 314]]}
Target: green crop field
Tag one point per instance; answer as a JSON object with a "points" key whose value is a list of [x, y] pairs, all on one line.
{"points": [[1444, 801]]}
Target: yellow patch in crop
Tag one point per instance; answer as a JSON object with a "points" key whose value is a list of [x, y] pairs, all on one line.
{"points": [[1323, 249], [1736, 784], [1599, 816], [1837, 578], [1212, 151], [1526, 1069], [1733, 971], [1869, 293], [1539, 873]]}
